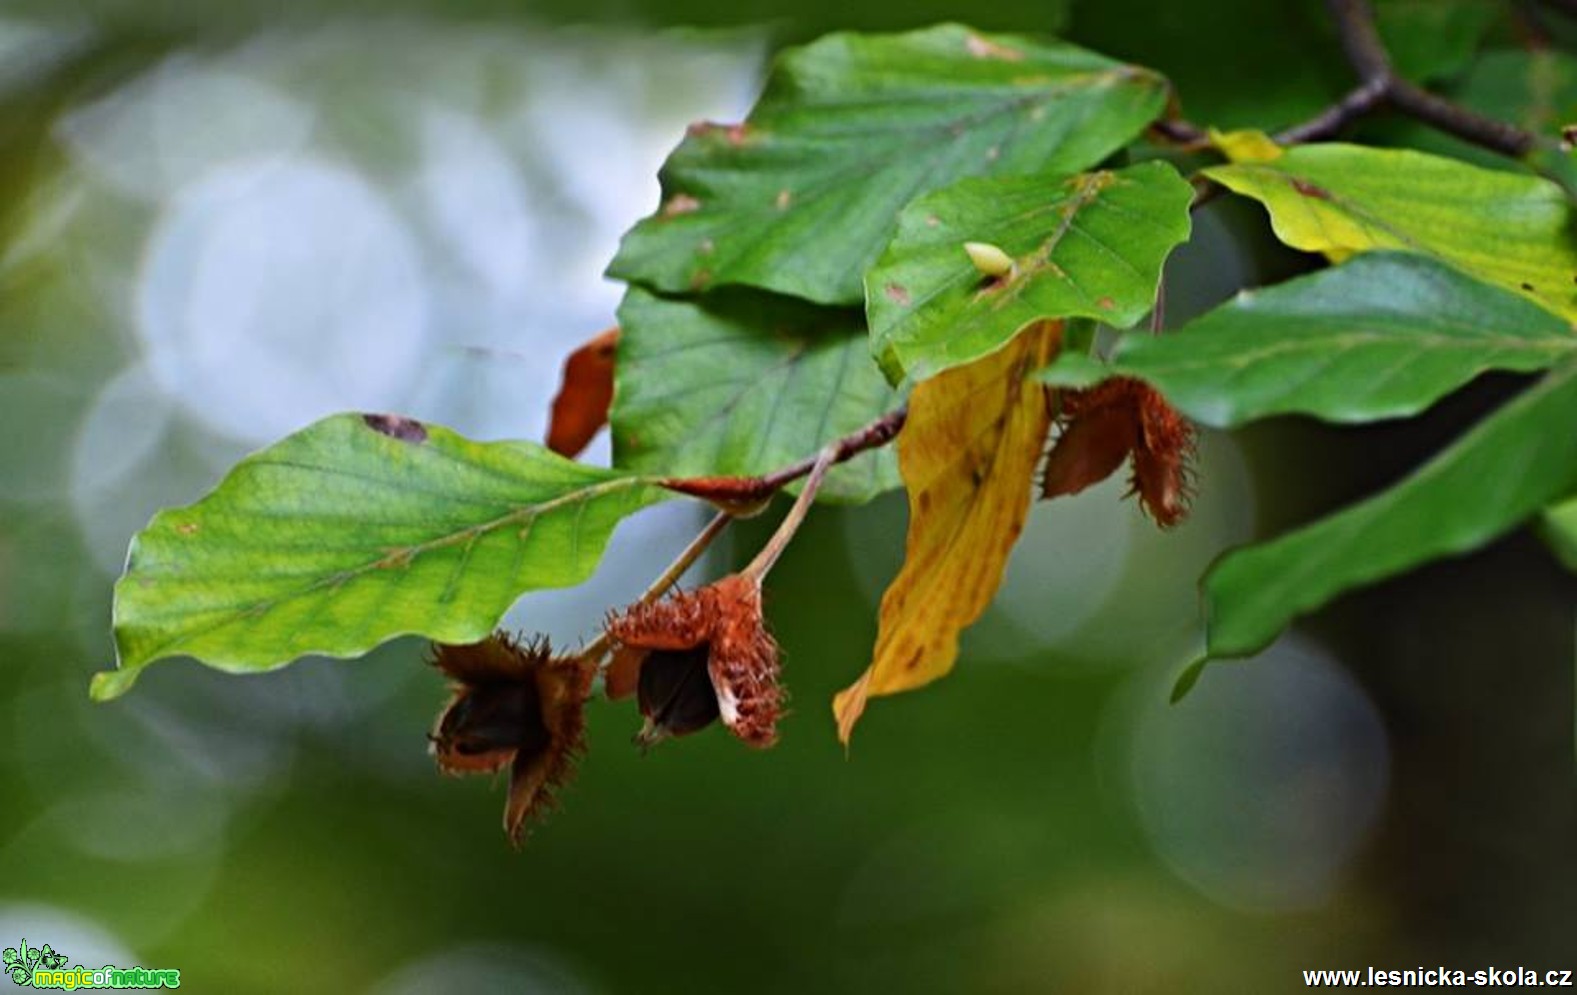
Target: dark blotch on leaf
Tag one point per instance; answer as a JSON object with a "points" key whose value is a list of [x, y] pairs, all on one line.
{"points": [[397, 427], [1310, 190]]}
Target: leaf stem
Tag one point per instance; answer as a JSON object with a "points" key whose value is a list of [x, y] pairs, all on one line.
{"points": [[684, 561], [871, 436], [769, 554]]}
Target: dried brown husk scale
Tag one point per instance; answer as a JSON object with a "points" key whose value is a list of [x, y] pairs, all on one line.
{"points": [[742, 663], [1102, 426], [1163, 474], [518, 706]]}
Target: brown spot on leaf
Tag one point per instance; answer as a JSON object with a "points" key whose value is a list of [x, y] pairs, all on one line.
{"points": [[396, 559], [187, 528], [1308, 189], [783, 200], [679, 203], [985, 48], [586, 390], [931, 221], [700, 279], [1105, 303], [1527, 286], [397, 427], [899, 295], [735, 134], [705, 247]]}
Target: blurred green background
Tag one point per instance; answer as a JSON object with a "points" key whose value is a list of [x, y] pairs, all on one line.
{"points": [[219, 222]]}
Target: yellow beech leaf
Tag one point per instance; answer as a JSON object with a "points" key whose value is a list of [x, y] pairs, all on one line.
{"points": [[967, 455], [1246, 145], [1505, 229]]}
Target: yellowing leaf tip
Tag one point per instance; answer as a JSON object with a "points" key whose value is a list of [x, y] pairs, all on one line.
{"points": [[1246, 145]]}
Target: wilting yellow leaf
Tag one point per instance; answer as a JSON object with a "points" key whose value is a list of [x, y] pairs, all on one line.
{"points": [[967, 456]]}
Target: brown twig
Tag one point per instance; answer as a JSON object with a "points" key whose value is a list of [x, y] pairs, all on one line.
{"points": [[1361, 41], [742, 491], [1379, 85], [736, 492], [1180, 131], [1359, 101]]}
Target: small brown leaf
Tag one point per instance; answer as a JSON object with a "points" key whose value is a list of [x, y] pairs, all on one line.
{"points": [[581, 407]]}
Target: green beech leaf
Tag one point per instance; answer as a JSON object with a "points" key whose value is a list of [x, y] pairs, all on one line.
{"points": [[740, 383], [354, 530], [1383, 336], [1089, 245], [1510, 230], [1492, 479], [1277, 64], [1534, 88], [1428, 39], [1559, 528], [801, 198]]}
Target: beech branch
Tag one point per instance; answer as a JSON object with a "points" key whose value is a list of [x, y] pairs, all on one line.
{"points": [[1379, 85], [745, 491]]}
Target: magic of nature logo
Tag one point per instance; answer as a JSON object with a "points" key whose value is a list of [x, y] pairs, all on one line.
{"points": [[45, 967]]}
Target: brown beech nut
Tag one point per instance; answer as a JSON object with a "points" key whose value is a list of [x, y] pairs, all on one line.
{"points": [[518, 706], [716, 633]]}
